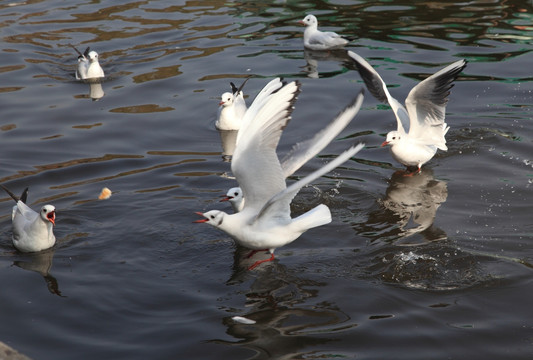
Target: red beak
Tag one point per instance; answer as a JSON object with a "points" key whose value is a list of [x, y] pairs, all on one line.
{"points": [[221, 103], [201, 220], [301, 22], [226, 198], [52, 217], [385, 143]]}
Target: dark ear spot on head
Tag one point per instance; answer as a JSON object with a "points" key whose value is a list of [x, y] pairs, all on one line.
{"points": [[221, 220]]}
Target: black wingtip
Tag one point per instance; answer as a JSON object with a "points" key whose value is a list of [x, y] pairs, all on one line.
{"points": [[13, 196], [24, 196], [235, 89], [77, 51], [373, 84]]}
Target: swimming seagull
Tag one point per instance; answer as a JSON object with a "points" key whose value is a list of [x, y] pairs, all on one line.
{"points": [[421, 126], [88, 65], [302, 152], [315, 39], [32, 231], [232, 108], [265, 222]]}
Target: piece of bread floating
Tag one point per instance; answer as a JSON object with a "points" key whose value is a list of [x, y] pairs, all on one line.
{"points": [[104, 194]]}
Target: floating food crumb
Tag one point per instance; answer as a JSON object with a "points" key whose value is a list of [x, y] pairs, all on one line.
{"points": [[105, 194]]}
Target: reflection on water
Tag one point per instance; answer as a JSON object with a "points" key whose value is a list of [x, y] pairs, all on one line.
{"points": [[283, 328], [40, 263], [415, 198], [228, 139], [409, 207], [313, 57], [95, 91]]}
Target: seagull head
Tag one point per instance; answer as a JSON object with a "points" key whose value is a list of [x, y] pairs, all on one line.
{"points": [[233, 194], [93, 56], [48, 213], [226, 99], [309, 20], [213, 217], [393, 138], [235, 197]]}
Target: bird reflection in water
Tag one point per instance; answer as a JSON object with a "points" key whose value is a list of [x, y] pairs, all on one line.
{"points": [[283, 322], [228, 139], [415, 199], [96, 92], [41, 263], [408, 208], [312, 57]]}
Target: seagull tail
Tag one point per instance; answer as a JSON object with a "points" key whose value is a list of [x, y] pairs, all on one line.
{"points": [[318, 216]]}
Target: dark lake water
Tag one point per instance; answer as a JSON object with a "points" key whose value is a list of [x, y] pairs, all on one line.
{"points": [[433, 266]]}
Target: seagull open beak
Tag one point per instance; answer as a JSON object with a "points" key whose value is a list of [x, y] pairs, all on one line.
{"points": [[226, 198], [301, 22], [385, 143], [221, 103], [51, 216], [201, 220]]}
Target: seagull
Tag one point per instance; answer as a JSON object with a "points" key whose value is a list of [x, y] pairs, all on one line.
{"points": [[302, 152], [88, 65], [32, 231], [265, 222], [233, 108], [235, 198], [421, 126], [315, 39]]}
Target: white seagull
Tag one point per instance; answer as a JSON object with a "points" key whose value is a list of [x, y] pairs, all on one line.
{"points": [[232, 109], [235, 198], [315, 39], [32, 231], [265, 221], [302, 152], [421, 126], [88, 65]]}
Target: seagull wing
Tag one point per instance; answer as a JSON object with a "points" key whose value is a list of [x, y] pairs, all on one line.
{"points": [[28, 213], [378, 88], [426, 102], [257, 104], [304, 151], [326, 39], [282, 200], [255, 163]]}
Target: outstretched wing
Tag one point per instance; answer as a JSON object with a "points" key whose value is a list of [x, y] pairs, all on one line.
{"points": [[282, 200], [378, 88], [304, 151], [426, 102], [255, 163]]}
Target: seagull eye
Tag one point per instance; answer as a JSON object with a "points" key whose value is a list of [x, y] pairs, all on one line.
{"points": [[236, 193], [213, 217], [44, 211]]}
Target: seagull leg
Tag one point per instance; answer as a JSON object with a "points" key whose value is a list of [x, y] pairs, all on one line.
{"points": [[261, 261]]}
